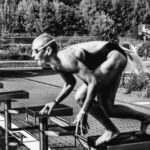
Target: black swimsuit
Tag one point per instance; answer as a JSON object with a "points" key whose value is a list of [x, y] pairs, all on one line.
{"points": [[92, 61]]}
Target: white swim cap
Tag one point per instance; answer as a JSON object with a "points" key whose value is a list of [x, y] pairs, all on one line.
{"points": [[42, 41]]}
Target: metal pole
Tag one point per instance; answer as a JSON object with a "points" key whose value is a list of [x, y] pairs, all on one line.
{"points": [[7, 105], [43, 125]]}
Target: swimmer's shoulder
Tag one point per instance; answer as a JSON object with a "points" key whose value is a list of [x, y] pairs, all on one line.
{"points": [[91, 47], [90, 43]]}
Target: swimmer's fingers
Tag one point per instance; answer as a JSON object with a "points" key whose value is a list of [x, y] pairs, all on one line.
{"points": [[81, 128], [77, 128], [79, 120], [85, 128], [47, 109], [43, 110], [86, 125]]}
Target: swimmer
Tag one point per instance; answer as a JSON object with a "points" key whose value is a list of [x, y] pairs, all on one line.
{"points": [[99, 64]]}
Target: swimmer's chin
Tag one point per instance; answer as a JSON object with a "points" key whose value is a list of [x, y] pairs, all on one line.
{"points": [[40, 63], [43, 65]]}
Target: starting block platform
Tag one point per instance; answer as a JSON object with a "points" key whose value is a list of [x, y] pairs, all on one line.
{"points": [[20, 94], [14, 143], [60, 110], [6, 98], [125, 141]]}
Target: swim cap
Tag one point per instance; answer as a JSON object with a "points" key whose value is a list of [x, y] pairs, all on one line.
{"points": [[42, 41]]}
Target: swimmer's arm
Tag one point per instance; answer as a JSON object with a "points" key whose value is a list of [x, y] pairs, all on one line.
{"points": [[91, 92], [88, 77], [70, 82], [95, 79]]}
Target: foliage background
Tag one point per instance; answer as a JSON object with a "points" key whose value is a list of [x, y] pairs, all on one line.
{"points": [[106, 18]]}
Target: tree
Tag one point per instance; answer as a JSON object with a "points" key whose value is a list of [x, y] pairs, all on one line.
{"points": [[21, 17], [102, 26], [104, 6], [33, 25], [147, 14], [70, 2], [144, 50], [47, 17], [5, 14], [88, 9], [139, 10], [69, 20], [27, 17], [122, 14]]}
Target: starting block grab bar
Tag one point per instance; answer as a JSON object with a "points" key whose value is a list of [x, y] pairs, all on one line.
{"points": [[8, 95], [125, 141]]}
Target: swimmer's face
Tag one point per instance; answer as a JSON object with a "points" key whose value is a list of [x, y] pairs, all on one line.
{"points": [[42, 55], [42, 49]]}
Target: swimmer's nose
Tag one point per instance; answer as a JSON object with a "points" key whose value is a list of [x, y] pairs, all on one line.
{"points": [[34, 56]]}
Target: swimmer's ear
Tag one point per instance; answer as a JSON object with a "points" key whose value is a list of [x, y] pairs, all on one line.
{"points": [[49, 51]]}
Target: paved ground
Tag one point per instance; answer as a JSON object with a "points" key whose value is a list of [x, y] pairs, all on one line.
{"points": [[45, 87]]}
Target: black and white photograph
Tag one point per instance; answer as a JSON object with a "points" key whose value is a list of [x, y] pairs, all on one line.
{"points": [[74, 74]]}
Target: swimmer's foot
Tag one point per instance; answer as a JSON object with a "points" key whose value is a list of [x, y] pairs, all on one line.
{"points": [[144, 126], [106, 137]]}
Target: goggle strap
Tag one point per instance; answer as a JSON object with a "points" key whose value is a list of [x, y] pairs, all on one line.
{"points": [[47, 44]]}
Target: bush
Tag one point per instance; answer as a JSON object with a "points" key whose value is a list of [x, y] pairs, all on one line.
{"points": [[102, 26], [147, 91], [15, 56], [134, 82], [24, 49], [144, 50], [17, 52]]}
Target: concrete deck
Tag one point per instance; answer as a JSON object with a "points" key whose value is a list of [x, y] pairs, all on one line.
{"points": [[44, 87]]}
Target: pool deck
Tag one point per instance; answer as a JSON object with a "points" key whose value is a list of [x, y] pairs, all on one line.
{"points": [[44, 87]]}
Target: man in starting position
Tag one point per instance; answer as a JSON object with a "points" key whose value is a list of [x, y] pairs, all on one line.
{"points": [[99, 64]]}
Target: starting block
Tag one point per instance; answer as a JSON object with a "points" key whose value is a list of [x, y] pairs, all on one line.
{"points": [[59, 110], [7, 97], [125, 141]]}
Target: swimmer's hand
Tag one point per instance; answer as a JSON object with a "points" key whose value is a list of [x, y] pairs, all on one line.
{"points": [[82, 125], [47, 108]]}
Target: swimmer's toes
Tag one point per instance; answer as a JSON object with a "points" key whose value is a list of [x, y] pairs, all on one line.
{"points": [[105, 138]]}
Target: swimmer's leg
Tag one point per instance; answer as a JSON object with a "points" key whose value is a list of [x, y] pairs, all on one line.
{"points": [[98, 112], [122, 111]]}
